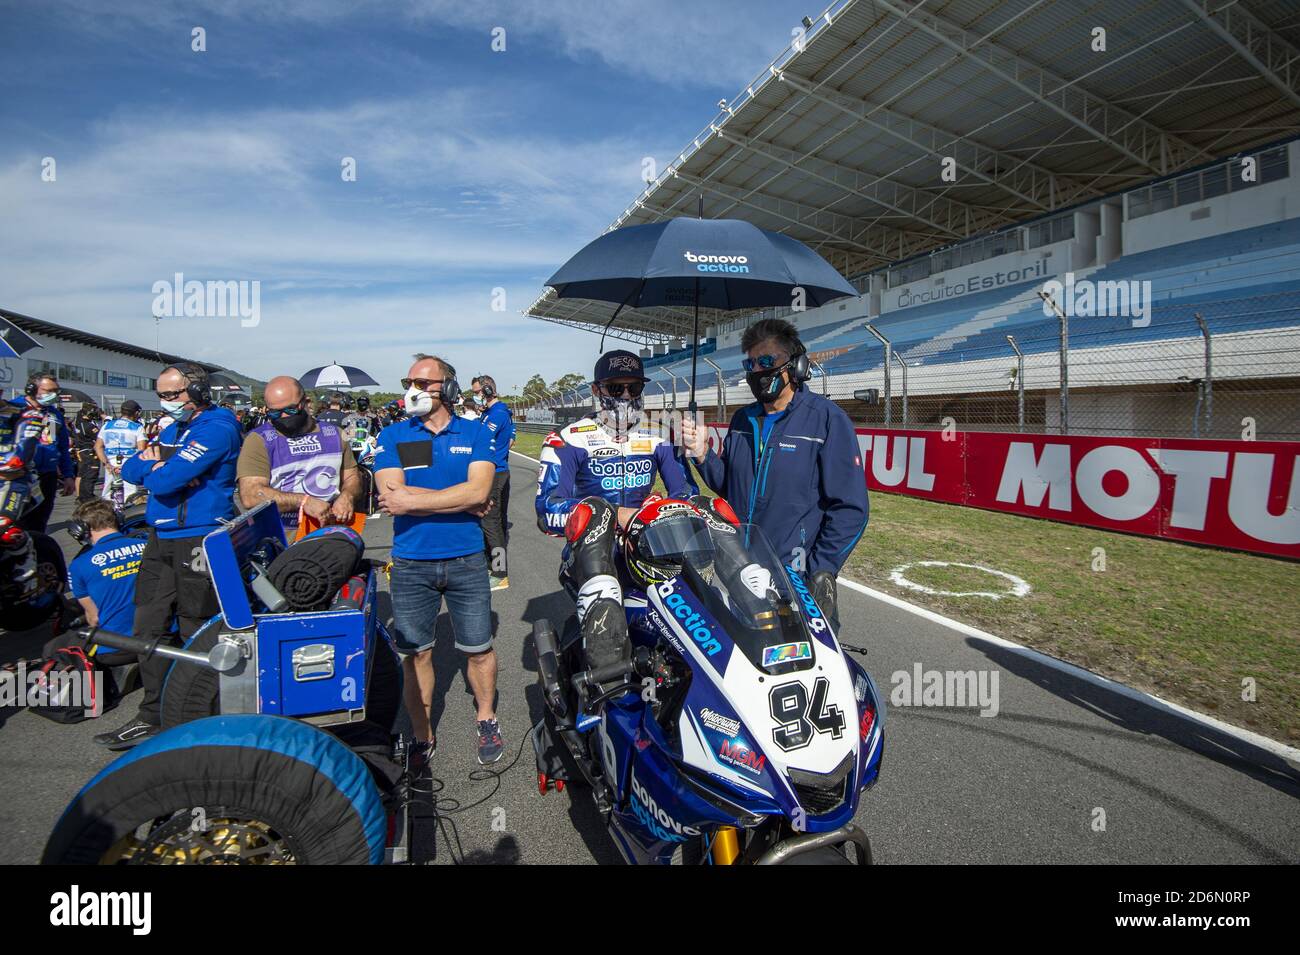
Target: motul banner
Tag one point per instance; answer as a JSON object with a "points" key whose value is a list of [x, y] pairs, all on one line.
{"points": [[1239, 494]]}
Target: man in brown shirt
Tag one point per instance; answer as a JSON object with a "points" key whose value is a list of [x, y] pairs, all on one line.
{"points": [[297, 462]]}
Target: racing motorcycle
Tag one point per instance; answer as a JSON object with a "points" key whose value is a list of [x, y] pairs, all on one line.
{"points": [[32, 568], [738, 733]]}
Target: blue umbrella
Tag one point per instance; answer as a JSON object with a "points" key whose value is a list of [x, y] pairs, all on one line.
{"points": [[715, 263]]}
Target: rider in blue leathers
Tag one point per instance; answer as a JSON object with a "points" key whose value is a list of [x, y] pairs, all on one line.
{"points": [[118, 441], [595, 474]]}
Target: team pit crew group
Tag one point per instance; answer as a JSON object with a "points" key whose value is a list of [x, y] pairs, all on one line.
{"points": [[790, 463]]}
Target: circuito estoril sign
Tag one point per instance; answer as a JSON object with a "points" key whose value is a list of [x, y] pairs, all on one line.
{"points": [[1239, 494]]}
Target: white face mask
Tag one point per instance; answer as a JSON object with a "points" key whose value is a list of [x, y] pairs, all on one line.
{"points": [[173, 408], [418, 403], [46, 400]]}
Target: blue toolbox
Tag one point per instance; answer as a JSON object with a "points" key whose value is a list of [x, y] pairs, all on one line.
{"points": [[312, 666]]}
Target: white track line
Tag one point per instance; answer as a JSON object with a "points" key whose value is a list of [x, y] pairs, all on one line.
{"points": [[1174, 709], [1255, 739]]}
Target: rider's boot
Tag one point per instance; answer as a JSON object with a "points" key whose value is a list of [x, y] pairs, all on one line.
{"points": [[590, 532]]}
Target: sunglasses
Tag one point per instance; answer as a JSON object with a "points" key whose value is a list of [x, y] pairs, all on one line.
{"points": [[277, 413], [763, 363], [423, 383], [170, 395], [632, 389]]}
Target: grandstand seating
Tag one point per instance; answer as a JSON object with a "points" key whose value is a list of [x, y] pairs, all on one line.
{"points": [[1238, 281]]}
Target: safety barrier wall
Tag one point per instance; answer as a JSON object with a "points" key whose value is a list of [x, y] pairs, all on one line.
{"points": [[1243, 495]]}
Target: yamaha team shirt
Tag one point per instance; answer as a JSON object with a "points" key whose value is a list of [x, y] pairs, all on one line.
{"points": [[434, 462]]}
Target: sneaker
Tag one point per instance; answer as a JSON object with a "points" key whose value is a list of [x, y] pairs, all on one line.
{"points": [[421, 755], [124, 737], [490, 745], [500, 583]]}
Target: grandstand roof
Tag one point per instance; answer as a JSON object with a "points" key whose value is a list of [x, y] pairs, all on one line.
{"points": [[840, 143], [39, 327]]}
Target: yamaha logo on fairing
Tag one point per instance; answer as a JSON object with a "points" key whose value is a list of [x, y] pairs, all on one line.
{"points": [[648, 813], [718, 263], [690, 619]]}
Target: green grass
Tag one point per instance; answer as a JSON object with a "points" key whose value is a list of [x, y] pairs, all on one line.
{"points": [[1187, 623], [529, 444]]}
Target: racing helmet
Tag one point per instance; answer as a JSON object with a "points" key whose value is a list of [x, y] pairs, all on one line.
{"points": [[665, 534]]}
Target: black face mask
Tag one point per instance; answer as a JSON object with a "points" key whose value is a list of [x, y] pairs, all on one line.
{"points": [[766, 385], [292, 425]]}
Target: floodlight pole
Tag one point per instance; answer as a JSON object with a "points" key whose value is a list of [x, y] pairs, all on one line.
{"points": [[1065, 360], [899, 358], [889, 351], [1209, 374], [1020, 382], [722, 400]]}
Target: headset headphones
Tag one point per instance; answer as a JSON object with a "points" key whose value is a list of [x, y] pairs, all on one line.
{"points": [[488, 388], [799, 370], [198, 390], [34, 383], [450, 391], [80, 530]]}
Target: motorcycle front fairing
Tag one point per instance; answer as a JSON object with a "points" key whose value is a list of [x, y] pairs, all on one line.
{"points": [[764, 728]]}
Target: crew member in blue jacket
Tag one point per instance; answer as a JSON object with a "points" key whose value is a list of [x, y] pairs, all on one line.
{"points": [[790, 462], [496, 417], [52, 464], [190, 476]]}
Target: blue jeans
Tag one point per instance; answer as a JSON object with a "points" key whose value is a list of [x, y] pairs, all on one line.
{"points": [[418, 587]]}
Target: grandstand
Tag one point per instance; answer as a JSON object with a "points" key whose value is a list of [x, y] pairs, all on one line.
{"points": [[1167, 164]]}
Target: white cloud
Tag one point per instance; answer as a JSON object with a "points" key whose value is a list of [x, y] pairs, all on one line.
{"points": [[372, 269]]}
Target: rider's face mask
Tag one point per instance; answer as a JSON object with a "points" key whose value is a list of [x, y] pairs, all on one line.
{"points": [[45, 400], [620, 405]]}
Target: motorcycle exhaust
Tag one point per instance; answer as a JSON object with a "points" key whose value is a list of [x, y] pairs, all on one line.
{"points": [[810, 842]]}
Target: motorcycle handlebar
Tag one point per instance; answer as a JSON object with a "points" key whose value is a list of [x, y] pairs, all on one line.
{"points": [[116, 641], [611, 671]]}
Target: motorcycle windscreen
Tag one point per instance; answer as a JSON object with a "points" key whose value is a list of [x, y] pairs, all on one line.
{"points": [[735, 573]]}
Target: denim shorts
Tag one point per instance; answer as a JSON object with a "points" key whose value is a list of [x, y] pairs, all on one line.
{"points": [[418, 587]]}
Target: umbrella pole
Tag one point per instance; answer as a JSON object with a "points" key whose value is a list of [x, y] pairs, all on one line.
{"points": [[613, 317], [695, 349]]}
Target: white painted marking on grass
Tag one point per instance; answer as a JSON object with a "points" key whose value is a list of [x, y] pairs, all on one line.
{"points": [[1263, 742], [1019, 586]]}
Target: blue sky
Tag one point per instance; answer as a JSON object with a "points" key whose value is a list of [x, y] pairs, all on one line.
{"points": [[475, 170]]}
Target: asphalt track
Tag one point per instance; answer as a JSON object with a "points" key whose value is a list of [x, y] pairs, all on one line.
{"points": [[1028, 785]]}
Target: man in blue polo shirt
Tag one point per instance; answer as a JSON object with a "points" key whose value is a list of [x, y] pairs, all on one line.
{"points": [[434, 473], [103, 576], [496, 417]]}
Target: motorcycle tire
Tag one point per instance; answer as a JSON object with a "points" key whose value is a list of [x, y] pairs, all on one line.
{"points": [[266, 789], [50, 566], [191, 692]]}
